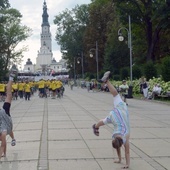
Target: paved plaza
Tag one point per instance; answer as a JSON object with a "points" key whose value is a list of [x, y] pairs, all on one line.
{"points": [[56, 134]]}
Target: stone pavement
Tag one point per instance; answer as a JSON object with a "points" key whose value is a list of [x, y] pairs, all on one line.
{"points": [[56, 134]]}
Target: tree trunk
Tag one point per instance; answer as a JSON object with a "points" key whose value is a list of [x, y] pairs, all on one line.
{"points": [[155, 38], [149, 38]]}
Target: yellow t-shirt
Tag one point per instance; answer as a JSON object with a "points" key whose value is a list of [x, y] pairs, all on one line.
{"points": [[53, 85], [27, 88], [58, 84], [41, 84], [2, 87], [21, 86], [15, 86]]}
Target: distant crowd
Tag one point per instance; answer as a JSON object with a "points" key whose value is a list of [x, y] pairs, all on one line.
{"points": [[25, 88]]}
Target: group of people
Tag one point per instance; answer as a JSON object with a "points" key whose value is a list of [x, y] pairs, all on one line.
{"points": [[144, 89], [118, 117], [23, 89], [53, 88], [7, 92]]}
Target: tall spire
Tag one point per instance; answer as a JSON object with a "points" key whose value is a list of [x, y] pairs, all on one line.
{"points": [[45, 15]]}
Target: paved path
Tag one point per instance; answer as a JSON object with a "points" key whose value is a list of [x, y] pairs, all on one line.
{"points": [[56, 134]]}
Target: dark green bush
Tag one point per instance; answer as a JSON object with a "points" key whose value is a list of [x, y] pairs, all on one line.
{"points": [[116, 77], [124, 73], [150, 70], [165, 69], [137, 72]]}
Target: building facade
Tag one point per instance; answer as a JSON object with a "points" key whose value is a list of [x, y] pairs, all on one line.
{"points": [[45, 62], [45, 53]]}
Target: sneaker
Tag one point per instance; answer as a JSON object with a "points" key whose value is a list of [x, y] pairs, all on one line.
{"points": [[105, 77], [13, 71], [13, 142]]}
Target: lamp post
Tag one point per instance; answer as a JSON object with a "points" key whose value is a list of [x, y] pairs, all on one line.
{"points": [[96, 53], [121, 38], [82, 64]]}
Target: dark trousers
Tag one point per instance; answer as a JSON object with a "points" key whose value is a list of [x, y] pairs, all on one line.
{"points": [[20, 93], [27, 95]]}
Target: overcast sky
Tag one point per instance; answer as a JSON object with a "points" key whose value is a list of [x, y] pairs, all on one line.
{"points": [[31, 11]]}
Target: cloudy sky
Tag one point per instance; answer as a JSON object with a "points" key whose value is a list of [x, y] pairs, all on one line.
{"points": [[32, 17]]}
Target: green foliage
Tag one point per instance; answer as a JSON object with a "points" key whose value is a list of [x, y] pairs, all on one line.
{"points": [[136, 87], [2, 71], [71, 26], [116, 53], [4, 4], [150, 70], [11, 34], [80, 28], [101, 17], [124, 73], [150, 24], [165, 69], [116, 77], [91, 76], [137, 72]]}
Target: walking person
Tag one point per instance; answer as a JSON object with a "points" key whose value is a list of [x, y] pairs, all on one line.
{"points": [[119, 117], [145, 87], [5, 117], [27, 90], [21, 89]]}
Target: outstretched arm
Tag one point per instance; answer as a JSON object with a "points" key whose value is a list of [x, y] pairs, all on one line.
{"points": [[100, 123], [9, 92]]}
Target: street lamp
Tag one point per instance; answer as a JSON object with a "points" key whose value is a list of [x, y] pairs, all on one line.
{"points": [[121, 38], [91, 55], [82, 64]]}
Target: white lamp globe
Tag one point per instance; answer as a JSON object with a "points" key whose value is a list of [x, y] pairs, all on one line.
{"points": [[121, 38]]}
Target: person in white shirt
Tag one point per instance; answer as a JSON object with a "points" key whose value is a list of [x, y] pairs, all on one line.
{"points": [[156, 90], [124, 90]]}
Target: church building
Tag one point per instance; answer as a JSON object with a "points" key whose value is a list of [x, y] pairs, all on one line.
{"points": [[45, 53], [45, 59]]}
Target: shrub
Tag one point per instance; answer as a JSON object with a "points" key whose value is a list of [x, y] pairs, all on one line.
{"points": [[150, 70], [116, 77], [137, 73], [124, 73], [165, 69]]}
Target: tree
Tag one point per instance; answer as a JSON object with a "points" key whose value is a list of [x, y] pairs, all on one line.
{"points": [[4, 4], [100, 24], [151, 20], [11, 34], [165, 69], [150, 70], [71, 25], [116, 52]]}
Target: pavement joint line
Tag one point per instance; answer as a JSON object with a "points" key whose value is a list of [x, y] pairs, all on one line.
{"points": [[145, 157], [134, 148], [81, 135], [154, 162], [43, 155]]}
